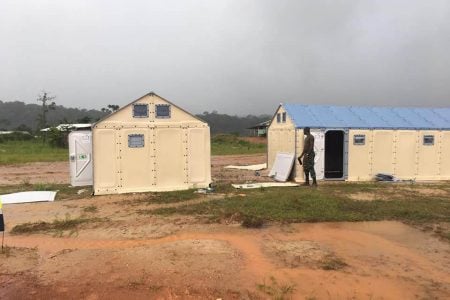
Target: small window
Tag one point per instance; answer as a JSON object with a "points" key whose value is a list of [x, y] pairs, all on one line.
{"points": [[135, 140], [278, 118], [359, 139], [163, 111], [284, 117], [140, 111], [428, 140]]}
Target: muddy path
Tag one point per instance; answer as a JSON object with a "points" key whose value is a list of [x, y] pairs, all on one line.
{"points": [[377, 260]]}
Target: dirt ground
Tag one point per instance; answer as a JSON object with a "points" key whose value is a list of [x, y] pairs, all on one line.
{"points": [[128, 255], [58, 172], [41, 172]]}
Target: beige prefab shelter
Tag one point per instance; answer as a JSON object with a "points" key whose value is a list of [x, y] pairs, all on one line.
{"points": [[150, 145], [356, 143]]}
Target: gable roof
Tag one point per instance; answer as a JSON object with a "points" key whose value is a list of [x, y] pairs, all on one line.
{"points": [[329, 116], [133, 102]]}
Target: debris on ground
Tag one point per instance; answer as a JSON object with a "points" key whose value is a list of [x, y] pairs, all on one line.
{"points": [[24, 197], [264, 185], [257, 167]]}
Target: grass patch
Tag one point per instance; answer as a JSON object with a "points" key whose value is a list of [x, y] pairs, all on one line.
{"points": [[227, 144], [328, 203], [90, 209], [331, 262], [163, 197], [172, 197], [17, 152], [252, 222], [6, 251], [275, 290], [57, 226]]}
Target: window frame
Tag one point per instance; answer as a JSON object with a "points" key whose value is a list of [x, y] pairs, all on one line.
{"points": [[278, 118], [357, 142], [139, 116], [135, 145], [163, 105], [428, 143], [283, 117]]}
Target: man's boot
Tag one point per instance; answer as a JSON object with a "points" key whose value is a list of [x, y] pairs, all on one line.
{"points": [[314, 181], [306, 178]]}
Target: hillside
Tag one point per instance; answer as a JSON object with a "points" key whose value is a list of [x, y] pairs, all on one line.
{"points": [[19, 115], [222, 123]]}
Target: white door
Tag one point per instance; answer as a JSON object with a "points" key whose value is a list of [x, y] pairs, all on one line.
{"points": [[319, 149], [80, 153]]}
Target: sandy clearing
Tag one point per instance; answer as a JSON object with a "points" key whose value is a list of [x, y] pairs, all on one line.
{"points": [[40, 172], [58, 172], [144, 256], [386, 260]]}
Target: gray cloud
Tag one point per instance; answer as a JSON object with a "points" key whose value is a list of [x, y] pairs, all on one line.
{"points": [[233, 56]]}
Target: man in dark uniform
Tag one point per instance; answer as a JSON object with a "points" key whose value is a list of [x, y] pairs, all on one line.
{"points": [[308, 160]]}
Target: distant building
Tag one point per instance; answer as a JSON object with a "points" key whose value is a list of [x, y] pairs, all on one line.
{"points": [[260, 129], [69, 127], [356, 143], [11, 132]]}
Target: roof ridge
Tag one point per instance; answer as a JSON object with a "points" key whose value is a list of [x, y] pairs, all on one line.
{"points": [[365, 106]]}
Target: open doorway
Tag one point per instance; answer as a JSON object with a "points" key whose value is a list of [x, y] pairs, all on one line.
{"points": [[334, 154]]}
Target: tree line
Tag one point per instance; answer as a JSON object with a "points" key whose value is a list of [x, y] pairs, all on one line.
{"points": [[20, 116]]}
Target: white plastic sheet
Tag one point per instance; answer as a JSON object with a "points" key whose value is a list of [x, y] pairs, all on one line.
{"points": [[24, 197], [283, 166], [263, 185], [249, 167]]}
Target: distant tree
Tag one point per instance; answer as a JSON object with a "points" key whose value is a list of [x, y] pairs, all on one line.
{"points": [[57, 138], [222, 123], [113, 107], [46, 106], [64, 121], [110, 108], [5, 122], [23, 127], [85, 119]]}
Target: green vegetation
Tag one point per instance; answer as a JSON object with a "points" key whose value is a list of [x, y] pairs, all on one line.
{"points": [[162, 198], [226, 144], [331, 262], [65, 192], [222, 123], [58, 226], [327, 203], [275, 290], [35, 150], [90, 209], [170, 197], [31, 115], [252, 222], [14, 152]]}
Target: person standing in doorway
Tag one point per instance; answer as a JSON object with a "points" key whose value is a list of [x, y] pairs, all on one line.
{"points": [[308, 160]]}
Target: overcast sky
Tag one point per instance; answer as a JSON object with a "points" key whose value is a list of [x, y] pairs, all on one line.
{"points": [[236, 57]]}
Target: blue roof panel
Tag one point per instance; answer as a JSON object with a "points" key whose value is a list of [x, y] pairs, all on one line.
{"points": [[328, 116]]}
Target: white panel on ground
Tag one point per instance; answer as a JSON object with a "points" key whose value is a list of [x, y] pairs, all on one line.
{"points": [[249, 167], [80, 151], [264, 185], [24, 197], [283, 166], [319, 149]]}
